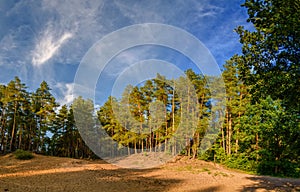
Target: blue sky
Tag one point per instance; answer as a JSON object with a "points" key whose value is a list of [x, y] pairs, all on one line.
{"points": [[47, 39]]}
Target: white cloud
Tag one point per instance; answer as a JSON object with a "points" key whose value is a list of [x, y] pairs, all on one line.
{"points": [[66, 92], [82, 19], [45, 33], [69, 97], [48, 45]]}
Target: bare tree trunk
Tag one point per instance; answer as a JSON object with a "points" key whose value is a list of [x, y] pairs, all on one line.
{"points": [[166, 130], [188, 110], [135, 150], [237, 131], [156, 142], [173, 120], [229, 134], [237, 135], [13, 128], [188, 147], [128, 149], [150, 137], [141, 127], [196, 144], [30, 137], [223, 138], [142, 145], [2, 131], [20, 138]]}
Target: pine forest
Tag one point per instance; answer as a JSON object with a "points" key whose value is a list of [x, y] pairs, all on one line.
{"points": [[260, 130]]}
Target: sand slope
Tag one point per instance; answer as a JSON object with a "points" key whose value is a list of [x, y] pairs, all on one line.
{"points": [[44, 173]]}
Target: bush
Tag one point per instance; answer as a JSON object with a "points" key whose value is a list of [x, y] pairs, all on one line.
{"points": [[23, 155], [285, 168], [241, 162]]}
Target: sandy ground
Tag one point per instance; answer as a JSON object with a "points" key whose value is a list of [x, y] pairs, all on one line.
{"points": [[64, 174]]}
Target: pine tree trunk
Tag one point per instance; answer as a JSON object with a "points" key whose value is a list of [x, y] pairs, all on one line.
{"points": [[196, 144], [30, 137], [159, 143], [142, 145], [229, 134], [188, 147], [223, 138], [20, 138], [13, 128], [39, 135], [150, 139], [135, 150], [156, 142], [187, 111], [141, 126], [237, 131], [2, 131], [166, 130], [173, 120], [237, 134]]}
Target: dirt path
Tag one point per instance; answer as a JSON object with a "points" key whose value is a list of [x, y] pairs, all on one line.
{"points": [[64, 174]]}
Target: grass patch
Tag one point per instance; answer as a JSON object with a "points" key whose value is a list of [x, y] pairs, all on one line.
{"points": [[205, 169], [221, 174], [192, 169], [23, 155]]}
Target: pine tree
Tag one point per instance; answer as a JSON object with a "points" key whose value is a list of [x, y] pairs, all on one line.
{"points": [[44, 108], [83, 110], [16, 98]]}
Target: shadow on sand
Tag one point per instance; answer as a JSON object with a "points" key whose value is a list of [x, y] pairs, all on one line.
{"points": [[87, 180], [272, 183]]}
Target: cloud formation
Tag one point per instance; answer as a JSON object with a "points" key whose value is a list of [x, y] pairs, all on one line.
{"points": [[48, 45], [65, 92]]}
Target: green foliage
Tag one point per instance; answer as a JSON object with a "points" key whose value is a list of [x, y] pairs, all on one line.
{"points": [[23, 155], [270, 59], [26, 118], [269, 66], [285, 167], [242, 162]]}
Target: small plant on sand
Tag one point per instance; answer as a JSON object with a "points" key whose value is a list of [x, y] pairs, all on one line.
{"points": [[145, 154], [220, 173], [23, 155]]}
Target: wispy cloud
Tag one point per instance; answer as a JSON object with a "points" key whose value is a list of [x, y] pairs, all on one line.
{"points": [[81, 19], [176, 13], [129, 57], [48, 45], [38, 37], [6, 44]]}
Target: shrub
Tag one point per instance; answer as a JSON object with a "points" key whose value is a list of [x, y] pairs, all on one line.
{"points": [[23, 155]]}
